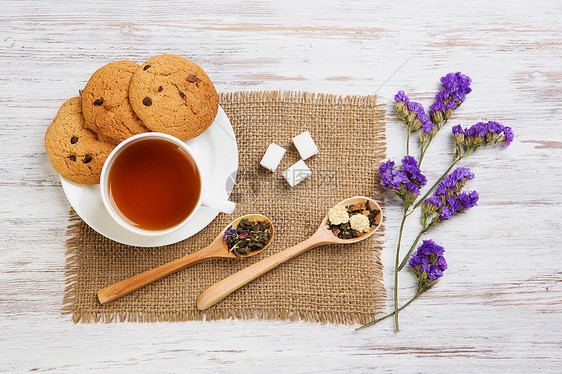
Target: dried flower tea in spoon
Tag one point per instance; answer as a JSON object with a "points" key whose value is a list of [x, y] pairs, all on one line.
{"points": [[247, 236], [352, 221]]}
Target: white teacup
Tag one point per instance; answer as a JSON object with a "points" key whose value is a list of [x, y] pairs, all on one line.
{"points": [[204, 199]]}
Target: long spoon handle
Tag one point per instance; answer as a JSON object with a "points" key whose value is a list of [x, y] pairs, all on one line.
{"points": [[126, 286], [225, 287]]}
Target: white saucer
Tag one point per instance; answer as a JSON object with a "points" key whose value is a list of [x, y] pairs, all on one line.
{"points": [[218, 155]]}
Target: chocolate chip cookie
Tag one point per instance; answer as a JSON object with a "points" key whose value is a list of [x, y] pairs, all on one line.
{"points": [[75, 151], [173, 95], [105, 102]]}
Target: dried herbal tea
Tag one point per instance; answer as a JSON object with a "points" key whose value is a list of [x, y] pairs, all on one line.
{"points": [[352, 221], [247, 236]]}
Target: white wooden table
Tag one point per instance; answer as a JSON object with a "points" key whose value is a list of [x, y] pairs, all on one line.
{"points": [[498, 306]]}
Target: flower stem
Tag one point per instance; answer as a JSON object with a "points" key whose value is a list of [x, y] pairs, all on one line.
{"points": [[396, 270], [405, 260], [389, 314], [421, 157], [408, 143], [424, 149]]}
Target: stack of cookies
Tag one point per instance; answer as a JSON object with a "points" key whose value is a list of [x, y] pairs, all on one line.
{"points": [[167, 93]]}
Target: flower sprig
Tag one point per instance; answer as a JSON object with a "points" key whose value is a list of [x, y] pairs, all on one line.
{"points": [[427, 265], [449, 197], [479, 135], [454, 88], [406, 181]]}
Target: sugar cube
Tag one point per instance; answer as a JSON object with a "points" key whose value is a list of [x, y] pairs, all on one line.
{"points": [[272, 157], [297, 173], [305, 145]]}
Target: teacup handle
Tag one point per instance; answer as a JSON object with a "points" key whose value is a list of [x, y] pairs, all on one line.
{"points": [[224, 206]]}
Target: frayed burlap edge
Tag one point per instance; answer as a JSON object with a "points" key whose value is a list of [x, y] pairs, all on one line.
{"points": [[71, 266], [72, 244], [307, 97]]}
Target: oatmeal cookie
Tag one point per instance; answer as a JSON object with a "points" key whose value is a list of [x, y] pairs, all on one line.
{"points": [[75, 152], [173, 95], [105, 102]]}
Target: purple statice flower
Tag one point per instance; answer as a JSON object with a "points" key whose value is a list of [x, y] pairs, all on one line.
{"points": [[428, 247], [458, 135], [411, 168], [429, 207], [508, 135], [457, 130], [434, 200], [445, 101], [415, 106], [458, 203], [420, 118], [412, 113], [386, 166], [441, 263], [428, 264], [480, 129], [456, 207], [416, 261], [405, 181], [399, 179], [412, 188], [401, 97], [468, 199], [390, 177], [427, 126], [453, 203], [409, 164], [445, 213], [402, 109], [229, 232], [456, 82], [454, 181], [455, 87], [494, 127], [480, 135], [434, 273]]}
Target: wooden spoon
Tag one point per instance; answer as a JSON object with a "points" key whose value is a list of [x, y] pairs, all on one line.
{"points": [[323, 235], [217, 249]]}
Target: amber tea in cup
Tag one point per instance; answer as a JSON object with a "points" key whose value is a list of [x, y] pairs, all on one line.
{"points": [[154, 184]]}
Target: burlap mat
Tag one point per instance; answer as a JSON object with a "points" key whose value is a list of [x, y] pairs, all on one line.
{"points": [[337, 284]]}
